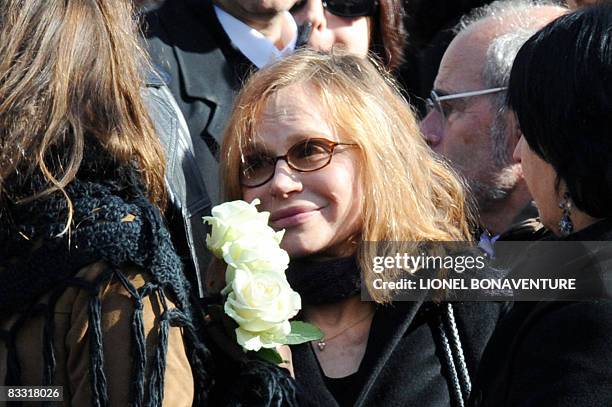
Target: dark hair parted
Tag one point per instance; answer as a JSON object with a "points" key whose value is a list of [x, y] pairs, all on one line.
{"points": [[388, 33], [561, 91]]}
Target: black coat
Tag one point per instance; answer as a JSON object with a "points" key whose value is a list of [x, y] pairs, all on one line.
{"points": [[404, 363], [555, 353], [204, 72], [187, 42]]}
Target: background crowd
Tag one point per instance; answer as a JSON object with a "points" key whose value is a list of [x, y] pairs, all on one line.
{"points": [[123, 123]]}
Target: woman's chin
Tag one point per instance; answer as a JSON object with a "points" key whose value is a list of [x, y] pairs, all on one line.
{"points": [[298, 252], [297, 249]]}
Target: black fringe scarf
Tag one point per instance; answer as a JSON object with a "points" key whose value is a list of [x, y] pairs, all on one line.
{"points": [[114, 222]]}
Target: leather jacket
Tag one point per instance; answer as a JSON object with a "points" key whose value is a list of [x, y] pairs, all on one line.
{"points": [[188, 195]]}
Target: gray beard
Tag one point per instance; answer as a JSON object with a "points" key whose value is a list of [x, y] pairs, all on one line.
{"points": [[507, 174], [500, 187]]}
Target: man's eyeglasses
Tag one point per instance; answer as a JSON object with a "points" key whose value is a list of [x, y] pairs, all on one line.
{"points": [[305, 156], [435, 101], [344, 8]]}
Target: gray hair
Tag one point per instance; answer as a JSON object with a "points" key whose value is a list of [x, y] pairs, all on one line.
{"points": [[520, 25], [502, 50]]}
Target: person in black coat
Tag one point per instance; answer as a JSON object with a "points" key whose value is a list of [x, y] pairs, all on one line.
{"points": [[204, 69], [334, 153], [559, 353]]}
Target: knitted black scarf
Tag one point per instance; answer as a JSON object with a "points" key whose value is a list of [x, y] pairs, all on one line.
{"points": [[111, 223], [324, 282], [114, 222]]}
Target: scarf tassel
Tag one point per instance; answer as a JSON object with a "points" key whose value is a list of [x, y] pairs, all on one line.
{"points": [[156, 384], [96, 354], [138, 340]]}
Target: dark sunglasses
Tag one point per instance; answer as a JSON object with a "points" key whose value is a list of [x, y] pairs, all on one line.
{"points": [[344, 8], [305, 156]]}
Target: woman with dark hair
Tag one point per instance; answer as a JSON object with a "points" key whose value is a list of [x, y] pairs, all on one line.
{"points": [[358, 26], [92, 293], [559, 353]]}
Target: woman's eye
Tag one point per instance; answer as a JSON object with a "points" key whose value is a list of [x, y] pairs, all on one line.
{"points": [[254, 163], [309, 150]]}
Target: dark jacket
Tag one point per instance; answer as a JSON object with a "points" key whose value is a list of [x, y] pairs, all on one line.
{"points": [[189, 200], [187, 42], [555, 353], [203, 72], [405, 363]]}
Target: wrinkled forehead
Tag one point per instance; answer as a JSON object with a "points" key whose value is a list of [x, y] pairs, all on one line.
{"points": [[462, 65], [290, 114]]}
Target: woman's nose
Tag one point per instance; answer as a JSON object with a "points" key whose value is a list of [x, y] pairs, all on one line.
{"points": [[313, 12], [285, 180]]}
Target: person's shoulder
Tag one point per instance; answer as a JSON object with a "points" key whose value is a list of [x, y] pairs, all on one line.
{"points": [[183, 34], [161, 104], [528, 230], [561, 356], [166, 11], [581, 319], [566, 333]]}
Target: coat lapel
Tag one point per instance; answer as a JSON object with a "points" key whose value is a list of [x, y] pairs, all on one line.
{"points": [[308, 375], [210, 67], [384, 338]]}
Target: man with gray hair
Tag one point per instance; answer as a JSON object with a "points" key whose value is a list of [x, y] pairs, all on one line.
{"points": [[467, 121]]}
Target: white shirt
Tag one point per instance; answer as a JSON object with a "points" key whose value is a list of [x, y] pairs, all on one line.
{"points": [[253, 44]]}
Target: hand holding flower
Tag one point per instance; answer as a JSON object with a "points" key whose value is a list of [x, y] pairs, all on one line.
{"points": [[259, 298]]}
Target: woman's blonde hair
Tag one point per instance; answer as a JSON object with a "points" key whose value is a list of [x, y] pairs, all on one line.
{"points": [[71, 71], [409, 195]]}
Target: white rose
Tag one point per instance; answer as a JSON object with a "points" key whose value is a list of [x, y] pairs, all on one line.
{"points": [[261, 303], [266, 339], [254, 254], [232, 220]]}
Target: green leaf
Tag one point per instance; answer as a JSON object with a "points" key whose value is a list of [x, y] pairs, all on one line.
{"points": [[302, 332], [269, 355]]}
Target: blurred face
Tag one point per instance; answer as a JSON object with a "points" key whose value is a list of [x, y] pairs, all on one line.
{"points": [[470, 133], [319, 210], [328, 29], [540, 178], [255, 9], [263, 6]]}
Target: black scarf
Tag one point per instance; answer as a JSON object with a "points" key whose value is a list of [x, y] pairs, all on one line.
{"points": [[324, 282], [114, 221]]}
